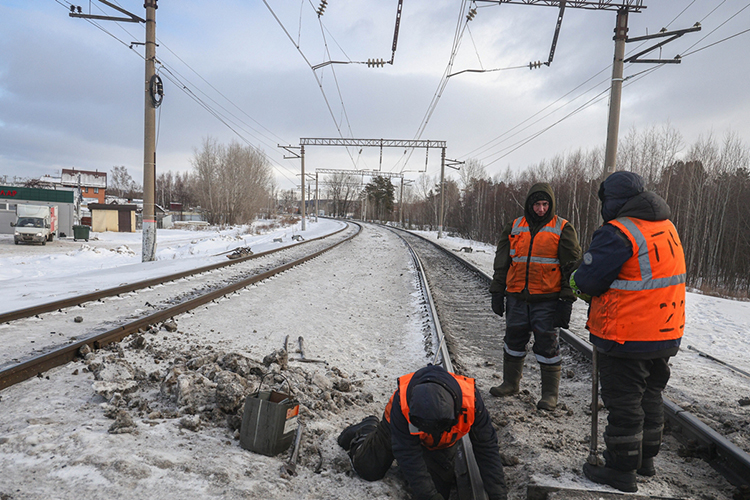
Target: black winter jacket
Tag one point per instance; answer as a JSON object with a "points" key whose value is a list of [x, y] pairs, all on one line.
{"points": [[407, 448], [623, 194]]}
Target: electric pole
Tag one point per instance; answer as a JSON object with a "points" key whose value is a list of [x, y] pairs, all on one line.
{"points": [[301, 156], [451, 164], [149, 137], [154, 92], [302, 185], [615, 96], [442, 192]]}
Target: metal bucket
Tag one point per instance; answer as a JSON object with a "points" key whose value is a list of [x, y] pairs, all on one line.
{"points": [[269, 421]]}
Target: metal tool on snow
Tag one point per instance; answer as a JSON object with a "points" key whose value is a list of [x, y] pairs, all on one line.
{"points": [[594, 458], [289, 468], [302, 357], [301, 347]]}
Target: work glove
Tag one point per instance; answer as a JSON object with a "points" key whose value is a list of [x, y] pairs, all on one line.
{"points": [[498, 303], [583, 296], [562, 313]]}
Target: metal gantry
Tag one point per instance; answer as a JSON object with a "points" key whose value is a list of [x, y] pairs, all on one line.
{"points": [[631, 5], [381, 143]]}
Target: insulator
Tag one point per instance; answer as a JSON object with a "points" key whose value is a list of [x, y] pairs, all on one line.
{"points": [[472, 13]]}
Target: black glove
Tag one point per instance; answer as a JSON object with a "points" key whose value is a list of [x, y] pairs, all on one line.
{"points": [[498, 303], [562, 313]]}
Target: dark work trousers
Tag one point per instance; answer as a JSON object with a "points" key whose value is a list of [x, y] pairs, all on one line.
{"points": [[631, 390], [374, 456], [524, 318]]}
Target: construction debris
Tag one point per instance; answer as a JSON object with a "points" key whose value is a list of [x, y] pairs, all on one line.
{"points": [[240, 252]]}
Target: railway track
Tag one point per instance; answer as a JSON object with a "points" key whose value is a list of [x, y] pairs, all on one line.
{"points": [[98, 295], [474, 339], [18, 364], [542, 451]]}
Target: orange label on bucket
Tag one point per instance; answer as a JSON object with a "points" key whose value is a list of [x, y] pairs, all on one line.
{"points": [[292, 412]]}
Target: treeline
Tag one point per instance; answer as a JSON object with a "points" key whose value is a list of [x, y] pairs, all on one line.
{"points": [[706, 191]]}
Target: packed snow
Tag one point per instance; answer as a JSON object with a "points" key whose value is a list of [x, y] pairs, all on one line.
{"points": [[157, 415]]}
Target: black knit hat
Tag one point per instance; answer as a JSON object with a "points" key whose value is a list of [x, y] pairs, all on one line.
{"points": [[538, 196]]}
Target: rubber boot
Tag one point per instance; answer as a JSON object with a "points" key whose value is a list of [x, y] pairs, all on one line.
{"points": [[512, 371], [623, 457], [651, 445], [550, 386], [363, 428]]}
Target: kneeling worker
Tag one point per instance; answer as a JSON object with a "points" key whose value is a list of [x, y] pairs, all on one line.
{"points": [[426, 416]]}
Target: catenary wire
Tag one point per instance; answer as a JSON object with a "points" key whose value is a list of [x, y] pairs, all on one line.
{"points": [[184, 87], [535, 134], [315, 75]]}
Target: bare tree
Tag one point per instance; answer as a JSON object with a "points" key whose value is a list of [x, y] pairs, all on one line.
{"points": [[342, 190], [231, 182], [121, 184]]}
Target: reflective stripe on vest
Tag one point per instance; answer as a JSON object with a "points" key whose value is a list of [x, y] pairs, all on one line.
{"points": [[465, 419], [534, 261], [647, 300]]}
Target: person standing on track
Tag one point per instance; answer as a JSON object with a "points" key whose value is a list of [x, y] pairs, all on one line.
{"points": [[634, 273], [530, 286], [430, 411]]}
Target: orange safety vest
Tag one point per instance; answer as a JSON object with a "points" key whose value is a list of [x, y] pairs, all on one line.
{"points": [[647, 300], [534, 260], [465, 419]]}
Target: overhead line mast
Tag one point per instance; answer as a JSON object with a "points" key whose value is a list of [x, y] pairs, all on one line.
{"points": [[389, 143], [623, 8], [154, 93]]}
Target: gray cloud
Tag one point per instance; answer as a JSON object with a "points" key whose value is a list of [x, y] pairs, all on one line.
{"points": [[71, 95]]}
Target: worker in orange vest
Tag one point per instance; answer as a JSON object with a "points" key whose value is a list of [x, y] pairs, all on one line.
{"points": [[534, 257], [634, 273], [430, 411]]}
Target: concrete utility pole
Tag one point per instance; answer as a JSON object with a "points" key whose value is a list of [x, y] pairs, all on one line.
{"points": [[401, 205], [615, 96], [317, 197], [452, 164], [154, 94], [442, 192], [301, 156], [149, 137], [302, 185]]}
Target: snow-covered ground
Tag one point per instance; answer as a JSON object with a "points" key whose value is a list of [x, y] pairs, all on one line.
{"points": [[155, 416], [38, 274]]}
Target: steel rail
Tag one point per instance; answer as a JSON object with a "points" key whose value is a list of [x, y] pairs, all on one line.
{"points": [[110, 292], [40, 364], [725, 457], [468, 478]]}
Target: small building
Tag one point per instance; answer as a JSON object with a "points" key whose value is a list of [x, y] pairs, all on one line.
{"points": [[115, 218], [63, 199]]}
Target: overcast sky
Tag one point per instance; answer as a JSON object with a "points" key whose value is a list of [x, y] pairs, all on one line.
{"points": [[71, 91]]}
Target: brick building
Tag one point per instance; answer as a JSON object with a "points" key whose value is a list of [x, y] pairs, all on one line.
{"points": [[93, 184]]}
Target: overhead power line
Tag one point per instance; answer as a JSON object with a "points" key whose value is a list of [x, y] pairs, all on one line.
{"points": [[185, 86], [498, 140]]}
